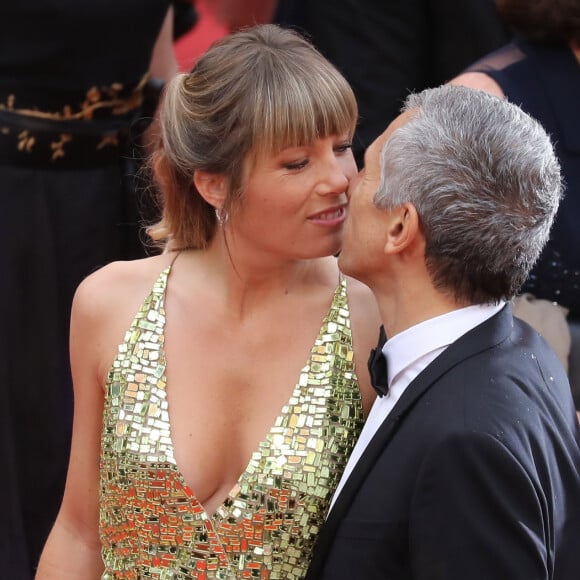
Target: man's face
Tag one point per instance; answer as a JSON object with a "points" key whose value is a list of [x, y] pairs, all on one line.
{"points": [[365, 232]]}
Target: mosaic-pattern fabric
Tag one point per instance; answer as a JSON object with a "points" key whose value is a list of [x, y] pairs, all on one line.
{"points": [[151, 523]]}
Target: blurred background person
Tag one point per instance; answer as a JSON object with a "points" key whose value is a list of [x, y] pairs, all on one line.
{"points": [[74, 78], [540, 71]]}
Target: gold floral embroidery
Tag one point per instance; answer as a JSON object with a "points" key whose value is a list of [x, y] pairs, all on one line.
{"points": [[108, 141], [25, 141], [58, 146], [95, 99]]}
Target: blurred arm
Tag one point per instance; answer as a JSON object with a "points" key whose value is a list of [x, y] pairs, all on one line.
{"points": [[237, 14], [73, 548]]}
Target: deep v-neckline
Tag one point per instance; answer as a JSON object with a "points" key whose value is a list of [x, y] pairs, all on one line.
{"points": [[222, 512], [150, 518]]}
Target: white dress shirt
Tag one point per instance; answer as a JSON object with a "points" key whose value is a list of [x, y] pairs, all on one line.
{"points": [[408, 353]]}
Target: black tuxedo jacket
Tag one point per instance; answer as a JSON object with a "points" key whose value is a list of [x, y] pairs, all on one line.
{"points": [[474, 475]]}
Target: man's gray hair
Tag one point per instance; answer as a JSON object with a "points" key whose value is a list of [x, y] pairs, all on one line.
{"points": [[486, 184]]}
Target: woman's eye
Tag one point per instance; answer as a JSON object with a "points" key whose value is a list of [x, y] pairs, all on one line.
{"points": [[343, 147], [296, 164]]}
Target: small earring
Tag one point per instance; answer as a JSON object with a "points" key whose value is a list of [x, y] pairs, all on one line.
{"points": [[221, 215]]}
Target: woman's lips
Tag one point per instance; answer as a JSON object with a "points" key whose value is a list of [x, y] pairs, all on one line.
{"points": [[331, 217]]}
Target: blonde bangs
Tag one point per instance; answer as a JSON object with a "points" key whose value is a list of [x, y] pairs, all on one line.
{"points": [[296, 108]]}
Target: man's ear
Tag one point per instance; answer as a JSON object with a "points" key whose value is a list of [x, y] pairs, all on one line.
{"points": [[403, 229], [213, 187]]}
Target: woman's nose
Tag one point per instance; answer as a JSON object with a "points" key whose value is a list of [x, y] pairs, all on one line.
{"points": [[336, 175]]}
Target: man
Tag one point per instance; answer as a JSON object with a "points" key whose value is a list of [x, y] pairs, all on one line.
{"points": [[468, 467]]}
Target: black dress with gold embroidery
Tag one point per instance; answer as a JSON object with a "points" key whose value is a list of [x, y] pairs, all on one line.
{"points": [[71, 75]]}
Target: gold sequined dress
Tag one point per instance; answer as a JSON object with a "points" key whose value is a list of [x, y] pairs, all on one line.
{"points": [[151, 523]]}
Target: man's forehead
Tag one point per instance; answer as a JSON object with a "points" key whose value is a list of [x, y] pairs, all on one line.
{"points": [[377, 145]]}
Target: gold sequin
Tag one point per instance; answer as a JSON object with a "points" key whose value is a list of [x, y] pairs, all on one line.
{"points": [[151, 523]]}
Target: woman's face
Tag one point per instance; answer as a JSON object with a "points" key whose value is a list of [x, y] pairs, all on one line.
{"points": [[294, 202]]}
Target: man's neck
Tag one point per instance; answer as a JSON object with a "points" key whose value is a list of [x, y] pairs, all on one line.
{"points": [[408, 308]]}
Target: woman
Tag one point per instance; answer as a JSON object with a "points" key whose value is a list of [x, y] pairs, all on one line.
{"points": [[219, 447]]}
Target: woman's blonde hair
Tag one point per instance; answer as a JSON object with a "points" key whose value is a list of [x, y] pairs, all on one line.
{"points": [[254, 92]]}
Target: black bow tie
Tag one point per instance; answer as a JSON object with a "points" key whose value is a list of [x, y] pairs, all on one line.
{"points": [[378, 366]]}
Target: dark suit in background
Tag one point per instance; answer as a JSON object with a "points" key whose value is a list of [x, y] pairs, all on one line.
{"points": [[388, 48]]}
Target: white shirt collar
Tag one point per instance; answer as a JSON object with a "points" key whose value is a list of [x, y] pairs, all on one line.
{"points": [[406, 347], [408, 354]]}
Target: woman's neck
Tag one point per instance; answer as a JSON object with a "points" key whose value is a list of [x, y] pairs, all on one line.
{"points": [[248, 281]]}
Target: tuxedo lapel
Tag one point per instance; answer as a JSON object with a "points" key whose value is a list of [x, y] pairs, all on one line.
{"points": [[484, 336]]}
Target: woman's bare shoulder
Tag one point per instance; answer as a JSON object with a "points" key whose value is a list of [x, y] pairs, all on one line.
{"points": [[105, 304], [119, 284]]}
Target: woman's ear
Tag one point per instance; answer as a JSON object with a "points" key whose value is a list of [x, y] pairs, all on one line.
{"points": [[403, 228], [213, 187]]}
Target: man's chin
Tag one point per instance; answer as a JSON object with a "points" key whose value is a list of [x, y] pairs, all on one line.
{"points": [[349, 267], [344, 264]]}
